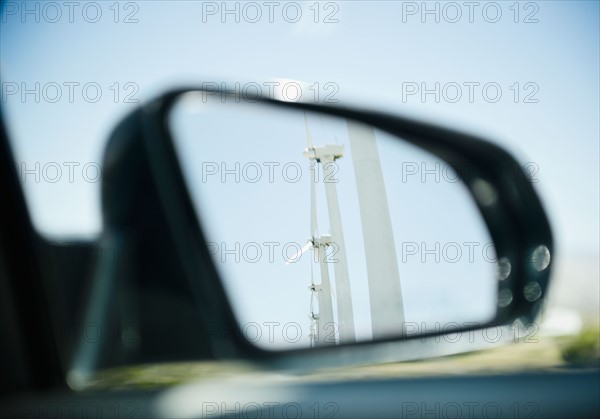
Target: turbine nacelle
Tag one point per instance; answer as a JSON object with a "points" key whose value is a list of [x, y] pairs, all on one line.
{"points": [[316, 242], [328, 152], [321, 241]]}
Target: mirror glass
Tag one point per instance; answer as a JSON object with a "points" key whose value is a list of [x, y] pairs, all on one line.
{"points": [[327, 231]]}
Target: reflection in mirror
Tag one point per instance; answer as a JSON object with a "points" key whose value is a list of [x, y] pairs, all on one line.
{"points": [[327, 231]]}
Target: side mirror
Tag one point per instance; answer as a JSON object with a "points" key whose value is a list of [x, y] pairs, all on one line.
{"points": [[303, 226]]}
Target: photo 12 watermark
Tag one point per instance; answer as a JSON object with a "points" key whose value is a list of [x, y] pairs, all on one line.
{"points": [[272, 251], [269, 409], [58, 172], [321, 12], [69, 92], [69, 409], [284, 90], [252, 172], [454, 172], [87, 12], [65, 253], [470, 92], [467, 409], [490, 12]]}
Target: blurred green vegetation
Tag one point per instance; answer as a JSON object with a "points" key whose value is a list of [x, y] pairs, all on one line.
{"points": [[544, 354], [154, 376], [583, 350]]}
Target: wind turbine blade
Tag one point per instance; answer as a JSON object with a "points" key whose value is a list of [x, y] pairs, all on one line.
{"points": [[340, 267], [308, 139], [299, 253], [333, 293], [313, 202], [325, 322], [312, 274], [385, 291]]}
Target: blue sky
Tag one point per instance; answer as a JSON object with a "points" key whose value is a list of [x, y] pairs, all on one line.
{"points": [[256, 218]]}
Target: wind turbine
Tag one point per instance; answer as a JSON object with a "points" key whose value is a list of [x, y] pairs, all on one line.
{"points": [[385, 294], [326, 156], [324, 325]]}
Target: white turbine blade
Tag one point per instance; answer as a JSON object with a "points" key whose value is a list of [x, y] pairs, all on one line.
{"points": [[340, 267], [326, 319], [313, 204], [385, 291], [308, 139], [324, 251], [333, 293], [312, 274], [299, 253]]}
